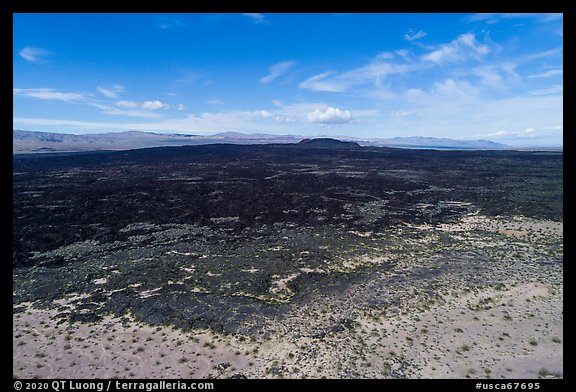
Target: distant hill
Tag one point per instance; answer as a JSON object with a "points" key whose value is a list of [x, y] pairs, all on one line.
{"points": [[42, 142]]}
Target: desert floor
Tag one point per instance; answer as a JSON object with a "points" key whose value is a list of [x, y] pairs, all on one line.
{"points": [[513, 329]]}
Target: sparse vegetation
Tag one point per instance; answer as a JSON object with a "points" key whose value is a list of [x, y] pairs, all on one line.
{"points": [[545, 373]]}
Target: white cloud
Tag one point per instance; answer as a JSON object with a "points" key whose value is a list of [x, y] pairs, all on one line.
{"points": [[256, 17], [34, 55], [529, 132], [402, 114], [111, 92], [412, 36], [265, 114], [181, 106], [215, 102], [148, 105], [330, 116], [277, 70], [208, 123], [462, 48], [276, 117], [48, 94], [154, 105]]}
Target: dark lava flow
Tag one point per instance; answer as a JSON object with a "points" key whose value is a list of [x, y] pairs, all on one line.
{"points": [[194, 236]]}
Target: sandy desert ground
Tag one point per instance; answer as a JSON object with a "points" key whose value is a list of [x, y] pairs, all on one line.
{"points": [[512, 329]]}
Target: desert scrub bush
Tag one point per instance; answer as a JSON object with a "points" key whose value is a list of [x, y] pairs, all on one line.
{"points": [[545, 373]]}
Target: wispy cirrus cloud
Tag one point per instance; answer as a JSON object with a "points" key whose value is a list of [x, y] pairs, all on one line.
{"points": [[190, 76], [547, 74], [497, 76], [546, 54], [169, 22], [113, 111], [413, 36], [322, 82], [373, 73], [398, 63], [48, 94], [34, 55], [462, 48], [111, 92], [277, 70], [492, 18], [402, 113], [256, 17], [146, 109]]}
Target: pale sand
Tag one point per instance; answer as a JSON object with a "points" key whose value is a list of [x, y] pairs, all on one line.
{"points": [[452, 340], [479, 343], [112, 348]]}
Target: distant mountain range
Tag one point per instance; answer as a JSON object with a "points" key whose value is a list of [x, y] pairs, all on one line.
{"points": [[434, 142], [42, 142]]}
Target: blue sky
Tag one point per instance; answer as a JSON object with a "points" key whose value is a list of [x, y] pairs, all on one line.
{"points": [[463, 76]]}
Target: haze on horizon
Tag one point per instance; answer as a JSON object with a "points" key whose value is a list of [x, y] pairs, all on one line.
{"points": [[461, 76]]}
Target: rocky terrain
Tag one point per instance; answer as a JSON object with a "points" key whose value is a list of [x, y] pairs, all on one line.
{"points": [[311, 260]]}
